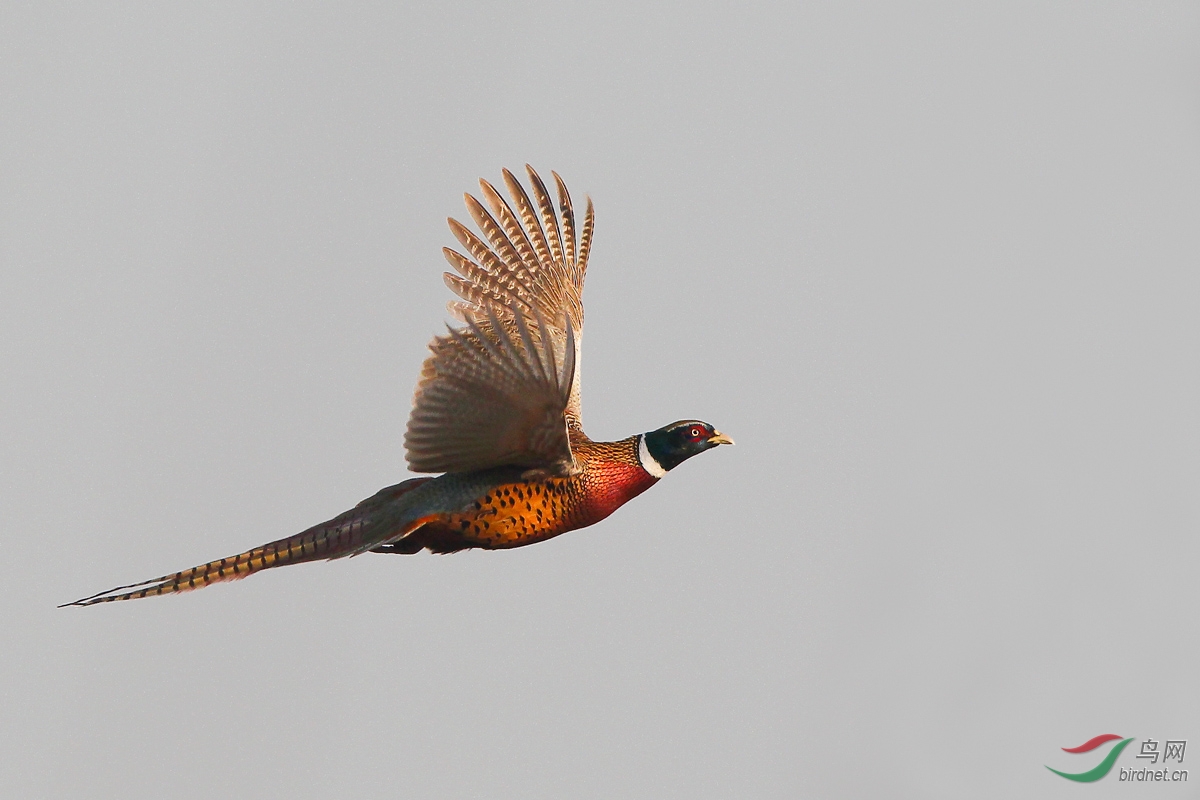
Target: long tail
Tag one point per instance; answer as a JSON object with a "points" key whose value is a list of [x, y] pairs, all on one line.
{"points": [[349, 533]]}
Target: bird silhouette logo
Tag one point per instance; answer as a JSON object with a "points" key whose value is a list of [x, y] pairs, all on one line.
{"points": [[1104, 767]]}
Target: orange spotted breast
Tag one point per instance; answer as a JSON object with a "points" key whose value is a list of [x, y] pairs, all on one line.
{"points": [[521, 510]]}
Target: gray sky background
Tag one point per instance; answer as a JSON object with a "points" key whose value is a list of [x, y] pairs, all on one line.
{"points": [[933, 267]]}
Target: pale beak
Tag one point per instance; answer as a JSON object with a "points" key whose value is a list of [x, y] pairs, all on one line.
{"points": [[719, 438]]}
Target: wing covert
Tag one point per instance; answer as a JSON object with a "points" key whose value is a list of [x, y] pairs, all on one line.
{"points": [[504, 389]]}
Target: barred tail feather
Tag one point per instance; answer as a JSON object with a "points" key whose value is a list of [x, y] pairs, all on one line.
{"points": [[230, 568], [350, 533]]}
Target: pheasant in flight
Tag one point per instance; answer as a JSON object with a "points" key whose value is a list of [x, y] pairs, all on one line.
{"points": [[496, 411]]}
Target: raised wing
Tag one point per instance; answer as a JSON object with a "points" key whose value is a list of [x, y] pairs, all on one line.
{"points": [[504, 389]]}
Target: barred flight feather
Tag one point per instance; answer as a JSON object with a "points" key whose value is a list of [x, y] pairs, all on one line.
{"points": [[520, 284]]}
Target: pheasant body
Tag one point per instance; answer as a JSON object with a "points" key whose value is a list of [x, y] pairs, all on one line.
{"points": [[497, 411], [507, 508]]}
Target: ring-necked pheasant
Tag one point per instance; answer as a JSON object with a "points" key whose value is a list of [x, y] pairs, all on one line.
{"points": [[497, 411]]}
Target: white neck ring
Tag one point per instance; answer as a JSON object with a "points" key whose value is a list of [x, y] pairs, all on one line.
{"points": [[647, 460]]}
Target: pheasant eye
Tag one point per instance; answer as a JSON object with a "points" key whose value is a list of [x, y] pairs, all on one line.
{"points": [[697, 433]]}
